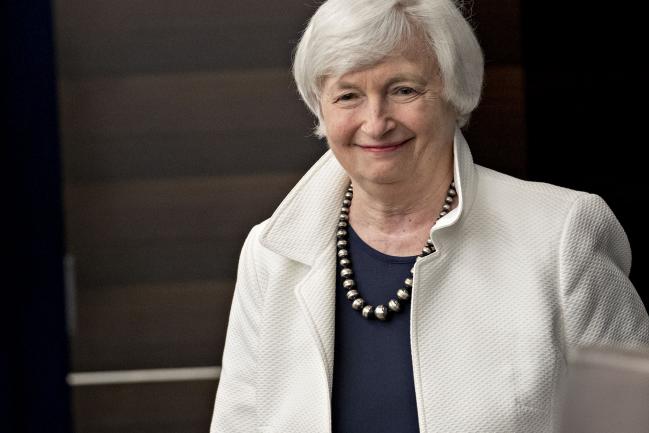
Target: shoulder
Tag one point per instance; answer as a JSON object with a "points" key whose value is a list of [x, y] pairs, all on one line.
{"points": [[522, 205], [550, 216], [523, 198], [517, 195], [492, 181]]}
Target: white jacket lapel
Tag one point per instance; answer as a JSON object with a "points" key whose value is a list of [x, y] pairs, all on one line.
{"points": [[316, 297], [303, 229]]}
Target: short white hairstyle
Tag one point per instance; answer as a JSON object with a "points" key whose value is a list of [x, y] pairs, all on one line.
{"points": [[349, 35]]}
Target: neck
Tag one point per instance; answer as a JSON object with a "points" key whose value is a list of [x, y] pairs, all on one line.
{"points": [[396, 218]]}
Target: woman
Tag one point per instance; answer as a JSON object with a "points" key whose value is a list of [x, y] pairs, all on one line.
{"points": [[400, 286]]}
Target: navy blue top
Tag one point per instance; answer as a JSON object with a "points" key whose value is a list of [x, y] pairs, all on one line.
{"points": [[373, 387]]}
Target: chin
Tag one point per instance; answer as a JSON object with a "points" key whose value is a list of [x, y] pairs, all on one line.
{"points": [[383, 177]]}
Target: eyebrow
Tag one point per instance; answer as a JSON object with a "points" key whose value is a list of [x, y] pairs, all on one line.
{"points": [[343, 85], [407, 77]]}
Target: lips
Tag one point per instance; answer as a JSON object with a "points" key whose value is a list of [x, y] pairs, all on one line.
{"points": [[383, 147]]}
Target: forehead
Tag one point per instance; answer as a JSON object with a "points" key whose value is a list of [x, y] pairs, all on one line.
{"points": [[391, 69], [412, 64]]}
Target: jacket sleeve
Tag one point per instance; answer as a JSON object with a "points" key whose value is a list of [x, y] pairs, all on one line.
{"points": [[234, 408], [600, 304]]}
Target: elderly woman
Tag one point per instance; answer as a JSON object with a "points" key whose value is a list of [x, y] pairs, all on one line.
{"points": [[400, 287]]}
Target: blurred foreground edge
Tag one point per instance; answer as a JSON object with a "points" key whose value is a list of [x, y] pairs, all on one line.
{"points": [[607, 391]]}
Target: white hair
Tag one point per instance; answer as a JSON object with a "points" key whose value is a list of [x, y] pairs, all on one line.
{"points": [[348, 35]]}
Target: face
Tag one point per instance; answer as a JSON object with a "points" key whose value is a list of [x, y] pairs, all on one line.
{"points": [[388, 123]]}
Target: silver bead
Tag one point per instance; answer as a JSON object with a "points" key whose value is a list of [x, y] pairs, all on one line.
{"points": [[346, 272], [449, 200], [352, 294], [342, 224], [453, 184], [367, 311], [425, 250], [344, 209], [442, 213], [394, 305], [446, 207], [452, 192], [342, 243], [344, 262], [358, 303], [347, 202], [403, 294], [343, 217], [342, 253], [349, 195], [381, 312], [349, 283], [408, 282], [341, 233]]}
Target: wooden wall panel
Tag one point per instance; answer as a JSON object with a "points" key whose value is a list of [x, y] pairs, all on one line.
{"points": [[157, 155], [167, 229], [172, 407], [185, 125], [203, 101], [143, 326], [126, 213], [129, 37], [156, 262]]}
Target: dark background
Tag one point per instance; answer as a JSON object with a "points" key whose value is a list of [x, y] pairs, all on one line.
{"points": [[137, 147], [586, 109]]}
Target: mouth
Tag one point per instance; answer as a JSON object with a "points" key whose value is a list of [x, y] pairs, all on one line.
{"points": [[383, 147]]}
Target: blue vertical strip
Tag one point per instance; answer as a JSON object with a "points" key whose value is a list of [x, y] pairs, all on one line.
{"points": [[34, 396]]}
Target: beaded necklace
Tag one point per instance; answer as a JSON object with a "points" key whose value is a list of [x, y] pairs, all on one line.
{"points": [[380, 312]]}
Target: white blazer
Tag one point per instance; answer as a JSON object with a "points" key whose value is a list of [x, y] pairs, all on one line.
{"points": [[523, 272]]}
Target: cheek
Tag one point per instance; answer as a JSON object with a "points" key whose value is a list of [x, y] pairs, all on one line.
{"points": [[340, 128], [432, 120]]}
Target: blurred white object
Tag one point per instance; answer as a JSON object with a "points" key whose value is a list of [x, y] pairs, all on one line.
{"points": [[607, 392]]}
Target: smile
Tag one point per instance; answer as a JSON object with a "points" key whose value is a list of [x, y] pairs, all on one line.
{"points": [[383, 147]]}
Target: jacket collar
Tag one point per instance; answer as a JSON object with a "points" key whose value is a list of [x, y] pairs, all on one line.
{"points": [[306, 219]]}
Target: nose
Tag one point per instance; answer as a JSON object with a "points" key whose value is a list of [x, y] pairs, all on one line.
{"points": [[377, 120]]}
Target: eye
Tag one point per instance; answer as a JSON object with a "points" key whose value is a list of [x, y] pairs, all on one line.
{"points": [[405, 91], [345, 97]]}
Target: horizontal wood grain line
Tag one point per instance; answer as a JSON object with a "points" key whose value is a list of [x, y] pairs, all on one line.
{"points": [[89, 378]]}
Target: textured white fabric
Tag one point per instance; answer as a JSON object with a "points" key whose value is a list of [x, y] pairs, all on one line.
{"points": [[524, 272]]}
